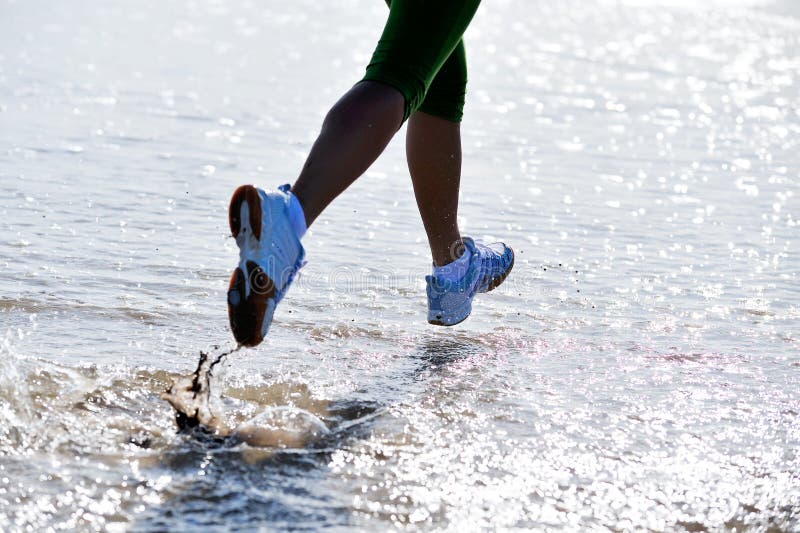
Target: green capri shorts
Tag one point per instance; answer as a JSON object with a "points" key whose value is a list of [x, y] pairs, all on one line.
{"points": [[421, 54]]}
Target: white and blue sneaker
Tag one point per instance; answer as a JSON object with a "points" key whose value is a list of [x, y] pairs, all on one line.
{"points": [[270, 254], [450, 302]]}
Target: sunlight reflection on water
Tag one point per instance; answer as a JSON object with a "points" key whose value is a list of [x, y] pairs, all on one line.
{"points": [[638, 370]]}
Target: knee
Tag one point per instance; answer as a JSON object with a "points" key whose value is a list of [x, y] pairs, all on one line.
{"points": [[366, 98]]}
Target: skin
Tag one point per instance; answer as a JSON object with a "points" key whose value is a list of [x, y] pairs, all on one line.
{"points": [[433, 152], [357, 130]]}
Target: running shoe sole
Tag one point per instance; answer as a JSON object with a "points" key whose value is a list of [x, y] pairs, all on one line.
{"points": [[440, 323], [248, 292]]}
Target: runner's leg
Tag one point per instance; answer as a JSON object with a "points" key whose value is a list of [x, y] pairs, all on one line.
{"points": [[354, 134], [433, 150], [418, 38]]}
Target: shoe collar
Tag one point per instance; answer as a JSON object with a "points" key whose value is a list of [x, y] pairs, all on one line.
{"points": [[470, 278]]}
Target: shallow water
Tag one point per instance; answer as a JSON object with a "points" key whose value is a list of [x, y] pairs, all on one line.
{"points": [[638, 370]]}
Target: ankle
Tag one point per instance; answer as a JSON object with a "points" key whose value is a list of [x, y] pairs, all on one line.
{"points": [[297, 216], [454, 270], [445, 256]]}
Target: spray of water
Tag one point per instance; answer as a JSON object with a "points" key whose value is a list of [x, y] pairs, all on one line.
{"points": [[16, 408], [193, 399]]}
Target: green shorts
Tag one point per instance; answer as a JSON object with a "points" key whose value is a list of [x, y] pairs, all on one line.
{"points": [[421, 54]]}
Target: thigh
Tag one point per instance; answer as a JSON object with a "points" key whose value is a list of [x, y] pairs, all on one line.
{"points": [[417, 41], [447, 93]]}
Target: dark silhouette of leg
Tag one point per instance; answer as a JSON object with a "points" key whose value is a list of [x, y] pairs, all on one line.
{"points": [[354, 133], [433, 150]]}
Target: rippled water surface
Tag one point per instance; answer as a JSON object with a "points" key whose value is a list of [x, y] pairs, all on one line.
{"points": [[638, 370]]}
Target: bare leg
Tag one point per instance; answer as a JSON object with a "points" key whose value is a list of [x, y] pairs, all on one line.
{"points": [[354, 133], [433, 150]]}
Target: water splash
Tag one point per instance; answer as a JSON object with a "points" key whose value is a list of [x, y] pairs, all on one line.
{"points": [[192, 398], [195, 399], [16, 407]]}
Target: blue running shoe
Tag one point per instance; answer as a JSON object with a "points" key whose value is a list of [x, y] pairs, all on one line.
{"points": [[451, 302], [270, 254]]}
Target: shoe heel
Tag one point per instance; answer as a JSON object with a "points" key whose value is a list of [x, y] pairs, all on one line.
{"points": [[245, 195], [457, 317]]}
